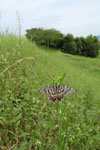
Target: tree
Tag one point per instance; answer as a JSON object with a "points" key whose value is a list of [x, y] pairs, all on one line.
{"points": [[37, 35], [54, 38], [79, 45], [49, 38], [84, 46], [92, 50], [73, 48], [67, 43], [67, 48], [92, 46]]}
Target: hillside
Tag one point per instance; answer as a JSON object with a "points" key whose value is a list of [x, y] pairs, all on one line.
{"points": [[29, 119]]}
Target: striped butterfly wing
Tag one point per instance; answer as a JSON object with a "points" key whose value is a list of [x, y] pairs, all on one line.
{"points": [[57, 92], [50, 91], [64, 90]]}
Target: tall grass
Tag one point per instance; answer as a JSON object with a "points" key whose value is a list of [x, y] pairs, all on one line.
{"points": [[29, 120]]}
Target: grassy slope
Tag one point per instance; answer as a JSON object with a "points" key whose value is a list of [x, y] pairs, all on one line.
{"points": [[80, 71], [27, 77]]}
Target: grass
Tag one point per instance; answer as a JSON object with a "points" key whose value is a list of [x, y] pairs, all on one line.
{"points": [[29, 120]]}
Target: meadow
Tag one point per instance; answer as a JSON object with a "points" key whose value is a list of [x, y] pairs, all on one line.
{"points": [[28, 120]]}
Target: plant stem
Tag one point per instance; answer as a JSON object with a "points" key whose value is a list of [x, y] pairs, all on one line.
{"points": [[59, 125]]}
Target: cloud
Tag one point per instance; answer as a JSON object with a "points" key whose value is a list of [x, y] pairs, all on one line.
{"points": [[78, 17]]}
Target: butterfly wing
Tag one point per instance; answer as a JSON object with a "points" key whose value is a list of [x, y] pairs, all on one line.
{"points": [[50, 91], [57, 91], [65, 90]]}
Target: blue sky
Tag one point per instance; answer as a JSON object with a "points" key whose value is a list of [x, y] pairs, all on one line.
{"points": [[78, 17]]}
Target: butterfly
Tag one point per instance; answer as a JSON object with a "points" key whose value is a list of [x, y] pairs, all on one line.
{"points": [[57, 92]]}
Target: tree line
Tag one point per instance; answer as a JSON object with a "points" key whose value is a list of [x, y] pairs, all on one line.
{"points": [[53, 38]]}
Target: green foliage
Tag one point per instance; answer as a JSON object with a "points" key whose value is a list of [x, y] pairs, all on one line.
{"points": [[84, 46], [29, 120], [49, 38], [60, 78], [68, 38], [92, 50], [92, 46], [68, 44], [52, 38], [79, 45]]}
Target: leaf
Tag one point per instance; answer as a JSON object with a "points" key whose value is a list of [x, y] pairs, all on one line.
{"points": [[22, 104], [24, 134], [60, 78], [23, 146], [17, 118]]}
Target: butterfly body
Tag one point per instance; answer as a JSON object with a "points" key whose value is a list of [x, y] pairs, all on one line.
{"points": [[57, 92]]}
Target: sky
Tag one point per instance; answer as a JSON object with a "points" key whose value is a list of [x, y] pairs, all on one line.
{"points": [[78, 17]]}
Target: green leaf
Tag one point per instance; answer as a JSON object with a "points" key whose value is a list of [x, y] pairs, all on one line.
{"points": [[24, 134], [17, 118]]}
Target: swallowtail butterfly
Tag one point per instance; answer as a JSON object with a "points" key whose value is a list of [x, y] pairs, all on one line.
{"points": [[57, 91]]}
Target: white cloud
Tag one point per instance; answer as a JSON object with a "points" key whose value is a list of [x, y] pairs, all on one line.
{"points": [[78, 17]]}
